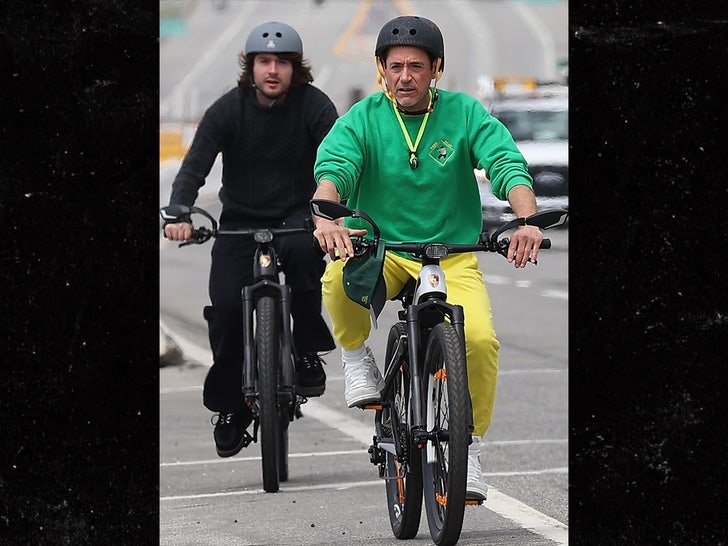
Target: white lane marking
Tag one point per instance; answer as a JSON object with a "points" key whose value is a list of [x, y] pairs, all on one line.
{"points": [[173, 390], [257, 458], [559, 294], [524, 442], [497, 279], [213, 53], [526, 517], [539, 472], [525, 283], [283, 489], [359, 452], [528, 372], [202, 356]]}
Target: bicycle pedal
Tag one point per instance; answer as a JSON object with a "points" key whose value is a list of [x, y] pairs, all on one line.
{"points": [[473, 502], [247, 438], [376, 407]]}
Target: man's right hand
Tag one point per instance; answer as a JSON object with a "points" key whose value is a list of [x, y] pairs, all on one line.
{"points": [[335, 239], [181, 231]]}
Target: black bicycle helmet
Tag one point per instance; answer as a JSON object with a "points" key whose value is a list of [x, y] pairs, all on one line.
{"points": [[273, 37], [411, 30]]}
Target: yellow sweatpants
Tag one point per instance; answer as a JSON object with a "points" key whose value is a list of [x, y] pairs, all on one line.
{"points": [[351, 322]]}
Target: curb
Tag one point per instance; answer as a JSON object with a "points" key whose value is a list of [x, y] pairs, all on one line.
{"points": [[170, 353], [174, 350]]}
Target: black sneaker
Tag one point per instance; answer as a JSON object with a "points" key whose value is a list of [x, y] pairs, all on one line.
{"points": [[310, 376], [229, 434]]}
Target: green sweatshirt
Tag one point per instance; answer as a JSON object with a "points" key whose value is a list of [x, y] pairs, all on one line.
{"points": [[366, 156]]}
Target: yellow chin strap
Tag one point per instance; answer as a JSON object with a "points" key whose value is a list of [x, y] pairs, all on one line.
{"points": [[382, 82]]}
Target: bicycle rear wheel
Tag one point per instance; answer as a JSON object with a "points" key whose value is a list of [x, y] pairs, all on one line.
{"points": [[445, 459], [267, 342], [403, 476]]}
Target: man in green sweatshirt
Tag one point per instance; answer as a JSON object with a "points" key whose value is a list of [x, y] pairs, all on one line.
{"points": [[406, 156]]}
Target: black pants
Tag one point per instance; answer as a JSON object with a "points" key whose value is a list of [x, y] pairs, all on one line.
{"points": [[231, 270]]}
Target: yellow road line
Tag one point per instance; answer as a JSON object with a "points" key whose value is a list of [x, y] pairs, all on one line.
{"points": [[340, 48], [354, 26]]}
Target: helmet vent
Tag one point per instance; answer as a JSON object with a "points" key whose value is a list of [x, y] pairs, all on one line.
{"points": [[273, 35]]}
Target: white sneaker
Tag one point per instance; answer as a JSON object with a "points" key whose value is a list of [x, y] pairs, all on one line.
{"points": [[362, 381], [475, 488]]}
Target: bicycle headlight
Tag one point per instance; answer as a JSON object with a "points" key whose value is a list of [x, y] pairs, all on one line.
{"points": [[436, 250], [263, 236]]}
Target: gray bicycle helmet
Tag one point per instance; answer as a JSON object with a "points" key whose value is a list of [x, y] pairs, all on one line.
{"points": [[273, 37], [411, 30]]}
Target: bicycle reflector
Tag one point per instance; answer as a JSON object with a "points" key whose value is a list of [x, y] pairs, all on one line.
{"points": [[436, 250], [263, 236]]}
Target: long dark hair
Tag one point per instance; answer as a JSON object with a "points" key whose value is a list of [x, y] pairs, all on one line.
{"points": [[301, 69]]}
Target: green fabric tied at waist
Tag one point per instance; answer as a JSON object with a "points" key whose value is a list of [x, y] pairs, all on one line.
{"points": [[363, 281]]}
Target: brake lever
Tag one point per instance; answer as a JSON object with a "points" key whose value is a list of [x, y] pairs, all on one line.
{"points": [[362, 246], [502, 247], [199, 236]]}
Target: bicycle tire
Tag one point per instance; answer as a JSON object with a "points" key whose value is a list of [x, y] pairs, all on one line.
{"points": [[404, 486], [285, 421], [267, 342], [445, 459]]}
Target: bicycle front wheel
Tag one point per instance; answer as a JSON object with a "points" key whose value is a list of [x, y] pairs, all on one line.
{"points": [[267, 342], [445, 459], [403, 474]]}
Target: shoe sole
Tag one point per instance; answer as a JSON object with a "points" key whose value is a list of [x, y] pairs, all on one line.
{"points": [[231, 452], [364, 400], [475, 495], [311, 391]]}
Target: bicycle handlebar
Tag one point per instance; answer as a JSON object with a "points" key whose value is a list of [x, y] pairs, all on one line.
{"points": [[436, 250], [173, 214], [488, 242]]}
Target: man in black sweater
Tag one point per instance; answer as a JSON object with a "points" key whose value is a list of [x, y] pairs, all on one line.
{"points": [[268, 129]]}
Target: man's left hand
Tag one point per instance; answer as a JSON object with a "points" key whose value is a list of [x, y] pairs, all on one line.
{"points": [[524, 245]]}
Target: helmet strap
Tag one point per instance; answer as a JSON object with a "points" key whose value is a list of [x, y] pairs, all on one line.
{"points": [[383, 82], [438, 75]]}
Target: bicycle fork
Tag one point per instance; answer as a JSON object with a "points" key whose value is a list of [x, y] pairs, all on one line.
{"points": [[415, 315], [283, 294]]}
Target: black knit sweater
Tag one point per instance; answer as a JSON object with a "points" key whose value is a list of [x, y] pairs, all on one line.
{"points": [[268, 153]]}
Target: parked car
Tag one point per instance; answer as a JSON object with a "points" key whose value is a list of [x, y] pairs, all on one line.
{"points": [[537, 115]]}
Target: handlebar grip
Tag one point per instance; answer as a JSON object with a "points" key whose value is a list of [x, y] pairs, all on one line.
{"points": [[546, 243]]}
